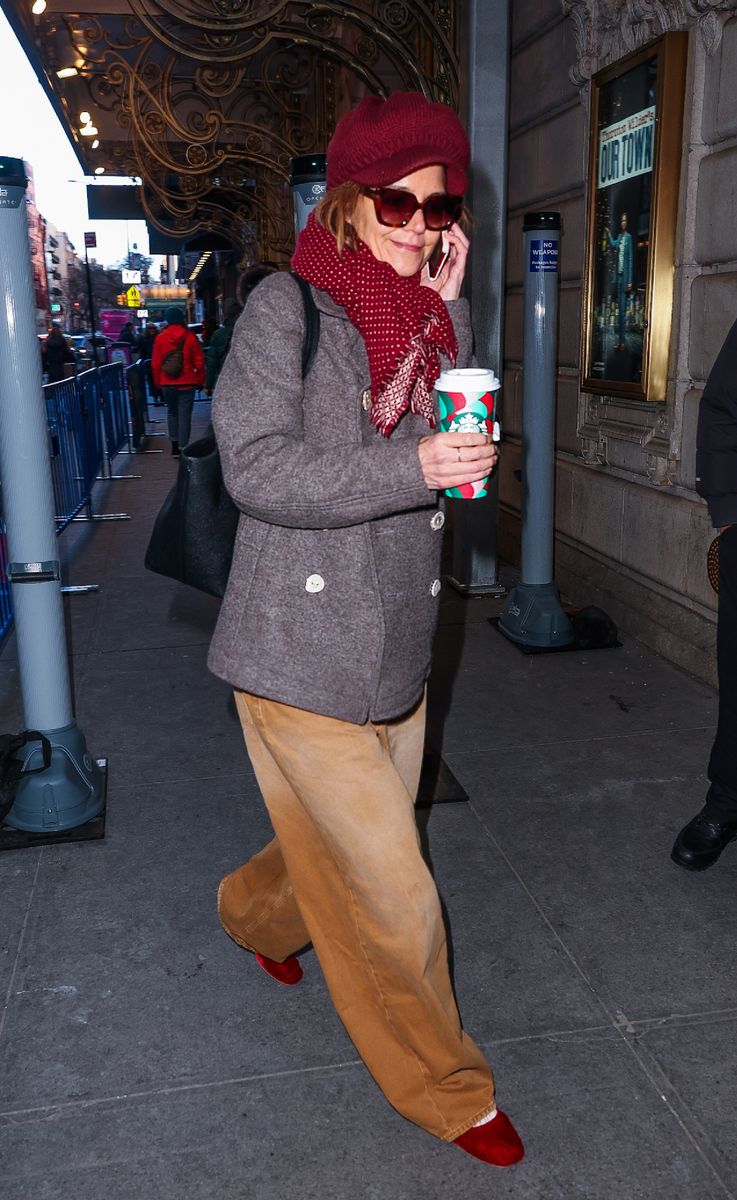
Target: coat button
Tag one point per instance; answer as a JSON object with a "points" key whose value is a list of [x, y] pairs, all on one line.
{"points": [[438, 520], [434, 587], [366, 399], [315, 583]]}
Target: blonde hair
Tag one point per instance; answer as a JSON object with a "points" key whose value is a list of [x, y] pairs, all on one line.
{"points": [[336, 210]]}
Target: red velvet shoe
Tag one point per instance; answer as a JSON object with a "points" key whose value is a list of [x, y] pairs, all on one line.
{"points": [[288, 972], [497, 1142]]}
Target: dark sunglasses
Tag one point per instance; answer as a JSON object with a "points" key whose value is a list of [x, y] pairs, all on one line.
{"points": [[396, 208]]}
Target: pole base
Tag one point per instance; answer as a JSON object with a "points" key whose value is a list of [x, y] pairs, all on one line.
{"points": [[533, 616], [477, 589], [69, 793]]}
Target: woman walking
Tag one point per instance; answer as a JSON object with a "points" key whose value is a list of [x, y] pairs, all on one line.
{"points": [[178, 369], [327, 623]]}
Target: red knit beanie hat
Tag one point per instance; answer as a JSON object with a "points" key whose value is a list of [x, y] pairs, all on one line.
{"points": [[381, 141]]}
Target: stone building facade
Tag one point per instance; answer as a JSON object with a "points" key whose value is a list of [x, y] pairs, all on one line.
{"points": [[631, 533]]}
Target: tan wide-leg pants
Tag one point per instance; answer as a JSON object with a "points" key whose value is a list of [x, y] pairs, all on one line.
{"points": [[345, 872]]}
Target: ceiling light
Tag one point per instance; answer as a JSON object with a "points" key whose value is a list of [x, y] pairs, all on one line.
{"points": [[99, 170], [96, 143], [84, 118], [66, 73], [89, 131], [38, 7]]}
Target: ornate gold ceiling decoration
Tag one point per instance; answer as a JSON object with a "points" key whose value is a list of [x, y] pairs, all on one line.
{"points": [[212, 98]]}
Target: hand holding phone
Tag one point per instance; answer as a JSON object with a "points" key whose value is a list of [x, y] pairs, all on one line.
{"points": [[438, 259]]}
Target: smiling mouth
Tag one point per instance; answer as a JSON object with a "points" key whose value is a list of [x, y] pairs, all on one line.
{"points": [[407, 246]]}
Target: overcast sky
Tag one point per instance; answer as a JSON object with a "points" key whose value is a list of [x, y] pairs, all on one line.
{"points": [[31, 130]]}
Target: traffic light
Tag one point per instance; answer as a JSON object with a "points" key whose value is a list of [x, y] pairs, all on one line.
{"points": [[122, 300]]}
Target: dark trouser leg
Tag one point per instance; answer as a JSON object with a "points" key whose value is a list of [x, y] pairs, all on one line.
{"points": [[171, 400], [721, 801], [186, 400]]}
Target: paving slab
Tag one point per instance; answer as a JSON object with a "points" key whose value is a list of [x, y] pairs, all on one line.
{"points": [[592, 1129], [158, 714], [588, 827], [486, 695], [127, 979], [501, 948], [17, 880], [698, 1060]]}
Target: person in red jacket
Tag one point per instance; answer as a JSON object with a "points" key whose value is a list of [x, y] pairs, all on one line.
{"points": [[178, 367]]}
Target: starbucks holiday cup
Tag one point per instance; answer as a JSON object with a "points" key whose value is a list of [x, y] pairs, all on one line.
{"points": [[467, 399]]}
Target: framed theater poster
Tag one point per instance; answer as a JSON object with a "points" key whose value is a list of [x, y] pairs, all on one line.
{"points": [[634, 167]]}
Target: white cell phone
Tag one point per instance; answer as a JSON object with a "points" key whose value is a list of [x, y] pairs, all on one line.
{"points": [[438, 259]]}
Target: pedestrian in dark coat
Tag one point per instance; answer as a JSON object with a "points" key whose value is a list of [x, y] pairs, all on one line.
{"points": [[220, 344], [702, 840], [178, 368], [56, 355], [326, 626]]}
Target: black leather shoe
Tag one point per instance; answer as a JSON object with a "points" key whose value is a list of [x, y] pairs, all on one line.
{"points": [[700, 843]]}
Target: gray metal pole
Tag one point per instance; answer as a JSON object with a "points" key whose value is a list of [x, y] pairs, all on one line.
{"points": [[307, 179], [71, 791], [485, 83], [532, 615]]}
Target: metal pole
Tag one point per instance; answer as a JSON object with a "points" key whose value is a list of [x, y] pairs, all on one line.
{"points": [[485, 81], [91, 303], [71, 791], [532, 615], [307, 181]]}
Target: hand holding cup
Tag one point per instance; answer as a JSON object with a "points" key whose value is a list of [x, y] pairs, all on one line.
{"points": [[467, 400], [455, 460]]}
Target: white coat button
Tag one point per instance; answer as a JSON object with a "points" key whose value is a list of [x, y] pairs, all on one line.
{"points": [[366, 399], [315, 583], [434, 587], [438, 520]]}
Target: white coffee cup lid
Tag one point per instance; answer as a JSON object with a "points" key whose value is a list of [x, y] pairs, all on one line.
{"points": [[463, 379]]}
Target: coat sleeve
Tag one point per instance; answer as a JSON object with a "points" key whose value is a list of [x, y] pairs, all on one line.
{"points": [[269, 470], [214, 358], [197, 358], [716, 437]]}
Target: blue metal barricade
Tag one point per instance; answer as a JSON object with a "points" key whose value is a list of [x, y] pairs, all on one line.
{"points": [[88, 386], [68, 450], [88, 418], [114, 404]]}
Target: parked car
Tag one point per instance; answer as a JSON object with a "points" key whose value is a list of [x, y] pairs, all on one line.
{"points": [[89, 341], [82, 348]]}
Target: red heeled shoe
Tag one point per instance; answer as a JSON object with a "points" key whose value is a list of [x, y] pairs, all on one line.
{"points": [[497, 1142], [288, 972]]}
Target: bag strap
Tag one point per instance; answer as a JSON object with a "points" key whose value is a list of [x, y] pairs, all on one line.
{"points": [[312, 324]]}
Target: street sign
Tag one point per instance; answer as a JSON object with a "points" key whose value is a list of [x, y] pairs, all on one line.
{"points": [[133, 296], [90, 240], [131, 276], [142, 312]]}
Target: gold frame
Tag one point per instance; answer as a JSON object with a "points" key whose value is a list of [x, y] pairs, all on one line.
{"points": [[671, 53]]}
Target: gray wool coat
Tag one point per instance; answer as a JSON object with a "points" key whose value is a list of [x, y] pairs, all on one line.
{"points": [[332, 599]]}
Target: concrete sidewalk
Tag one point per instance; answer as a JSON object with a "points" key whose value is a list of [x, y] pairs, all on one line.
{"points": [[144, 1056]]}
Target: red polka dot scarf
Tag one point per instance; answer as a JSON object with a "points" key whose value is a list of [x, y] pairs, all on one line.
{"points": [[403, 324]]}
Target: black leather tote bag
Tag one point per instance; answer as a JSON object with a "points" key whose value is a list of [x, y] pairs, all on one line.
{"points": [[194, 533]]}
